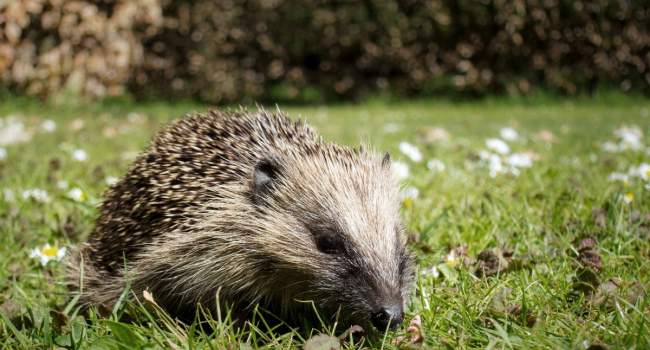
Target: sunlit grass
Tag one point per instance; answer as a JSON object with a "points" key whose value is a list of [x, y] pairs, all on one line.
{"points": [[538, 216]]}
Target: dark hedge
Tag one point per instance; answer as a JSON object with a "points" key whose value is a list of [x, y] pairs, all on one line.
{"points": [[276, 49]]}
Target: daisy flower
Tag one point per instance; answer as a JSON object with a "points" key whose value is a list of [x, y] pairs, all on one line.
{"points": [[625, 178], [452, 259], [509, 134], [13, 131], [520, 160], [77, 195], [62, 185], [409, 193], [628, 198], [37, 194], [111, 180], [642, 171], [391, 128], [497, 145], [630, 137], [400, 169], [410, 151], [436, 165], [48, 125], [47, 253], [79, 155], [8, 194]]}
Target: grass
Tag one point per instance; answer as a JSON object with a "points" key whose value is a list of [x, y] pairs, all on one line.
{"points": [[533, 225]]}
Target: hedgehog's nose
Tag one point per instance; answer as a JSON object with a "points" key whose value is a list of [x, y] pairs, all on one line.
{"points": [[388, 318]]}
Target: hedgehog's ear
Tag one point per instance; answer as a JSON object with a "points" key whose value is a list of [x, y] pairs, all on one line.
{"points": [[386, 161], [264, 174]]}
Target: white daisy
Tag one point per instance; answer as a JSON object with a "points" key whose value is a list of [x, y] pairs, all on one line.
{"points": [[62, 185], [619, 177], [391, 128], [497, 145], [610, 146], [432, 271], [47, 253], [410, 151], [77, 195], [111, 180], [8, 194], [520, 160], [48, 125], [79, 155], [12, 131], [409, 193], [509, 134], [37, 194], [630, 137], [400, 169], [436, 165], [494, 163], [642, 171]]}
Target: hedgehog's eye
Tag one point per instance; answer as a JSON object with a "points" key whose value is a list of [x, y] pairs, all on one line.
{"points": [[330, 243]]}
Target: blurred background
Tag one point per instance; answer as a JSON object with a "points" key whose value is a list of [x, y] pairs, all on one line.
{"points": [[316, 51]]}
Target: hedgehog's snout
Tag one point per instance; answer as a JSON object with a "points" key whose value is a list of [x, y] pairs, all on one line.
{"points": [[388, 317]]}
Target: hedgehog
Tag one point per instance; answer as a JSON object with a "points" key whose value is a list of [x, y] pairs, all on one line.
{"points": [[250, 211]]}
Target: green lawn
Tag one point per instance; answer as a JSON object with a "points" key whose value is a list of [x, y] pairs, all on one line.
{"points": [[556, 257]]}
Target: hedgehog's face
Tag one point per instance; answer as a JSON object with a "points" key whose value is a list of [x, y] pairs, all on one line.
{"points": [[345, 236]]}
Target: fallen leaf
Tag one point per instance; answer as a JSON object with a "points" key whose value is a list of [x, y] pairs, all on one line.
{"points": [[545, 136], [429, 135], [492, 262], [599, 216], [10, 309], [635, 293], [588, 255], [586, 281], [605, 294], [322, 342], [500, 308], [15, 269], [59, 319], [527, 317], [642, 223]]}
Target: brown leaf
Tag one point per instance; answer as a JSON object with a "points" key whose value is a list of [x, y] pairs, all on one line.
{"points": [[527, 318], [492, 262], [59, 319], [545, 136], [585, 282], [55, 164], [429, 135], [499, 307], [599, 216], [635, 293], [10, 309], [16, 269], [322, 342], [588, 255]]}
